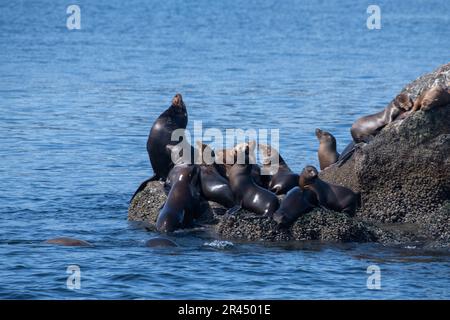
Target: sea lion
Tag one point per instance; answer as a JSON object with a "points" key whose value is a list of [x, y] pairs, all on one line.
{"points": [[365, 128], [334, 197], [69, 242], [328, 154], [183, 201], [296, 203], [281, 177], [225, 159], [160, 242], [176, 154], [214, 187], [247, 193], [436, 96], [175, 117]]}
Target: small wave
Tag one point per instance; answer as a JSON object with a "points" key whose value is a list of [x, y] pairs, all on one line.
{"points": [[218, 244]]}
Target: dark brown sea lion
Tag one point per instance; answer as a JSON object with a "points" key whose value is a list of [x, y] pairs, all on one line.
{"points": [[281, 177], [214, 187], [328, 195], [295, 204], [175, 117], [159, 242], [183, 202], [365, 128], [70, 242], [247, 193], [226, 158], [434, 97], [328, 154]]}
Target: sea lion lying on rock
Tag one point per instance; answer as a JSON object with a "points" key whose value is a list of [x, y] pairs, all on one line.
{"points": [[365, 128], [436, 96], [296, 203], [281, 178], [328, 195]]}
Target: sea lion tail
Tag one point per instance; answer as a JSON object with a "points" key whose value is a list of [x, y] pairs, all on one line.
{"points": [[346, 154], [143, 185]]}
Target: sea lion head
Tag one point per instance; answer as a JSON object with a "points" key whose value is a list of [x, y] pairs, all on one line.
{"points": [[269, 154], [403, 101], [242, 155], [325, 137], [177, 101], [185, 172], [205, 153], [308, 175], [177, 153], [247, 148]]}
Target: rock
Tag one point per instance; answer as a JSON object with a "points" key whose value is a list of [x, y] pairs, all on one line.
{"points": [[403, 176], [146, 204]]}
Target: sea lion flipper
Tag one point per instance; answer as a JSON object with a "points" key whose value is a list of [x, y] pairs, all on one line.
{"points": [[345, 157], [143, 185], [234, 210]]}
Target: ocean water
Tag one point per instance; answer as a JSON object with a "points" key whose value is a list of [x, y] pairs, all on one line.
{"points": [[76, 107]]}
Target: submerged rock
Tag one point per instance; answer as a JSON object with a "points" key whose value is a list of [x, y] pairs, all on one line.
{"points": [[403, 175]]}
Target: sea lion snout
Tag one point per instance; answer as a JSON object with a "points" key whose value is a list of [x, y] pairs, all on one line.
{"points": [[178, 100], [319, 133]]}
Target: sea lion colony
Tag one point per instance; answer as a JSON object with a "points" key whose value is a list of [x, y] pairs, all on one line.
{"points": [[240, 184]]}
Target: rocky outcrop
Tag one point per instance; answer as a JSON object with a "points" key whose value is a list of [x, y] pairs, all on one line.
{"points": [[403, 175]]}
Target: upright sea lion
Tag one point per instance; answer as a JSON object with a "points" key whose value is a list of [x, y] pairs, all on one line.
{"points": [[328, 154], [282, 178], [175, 117], [183, 201], [214, 186], [247, 193], [70, 242], [436, 96], [328, 195], [365, 128]]}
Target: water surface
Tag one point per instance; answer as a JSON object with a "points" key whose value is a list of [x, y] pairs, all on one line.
{"points": [[76, 107]]}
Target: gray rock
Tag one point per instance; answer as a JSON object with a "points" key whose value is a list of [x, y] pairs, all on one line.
{"points": [[146, 204]]}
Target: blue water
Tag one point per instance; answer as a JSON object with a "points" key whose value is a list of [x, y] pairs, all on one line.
{"points": [[76, 107]]}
